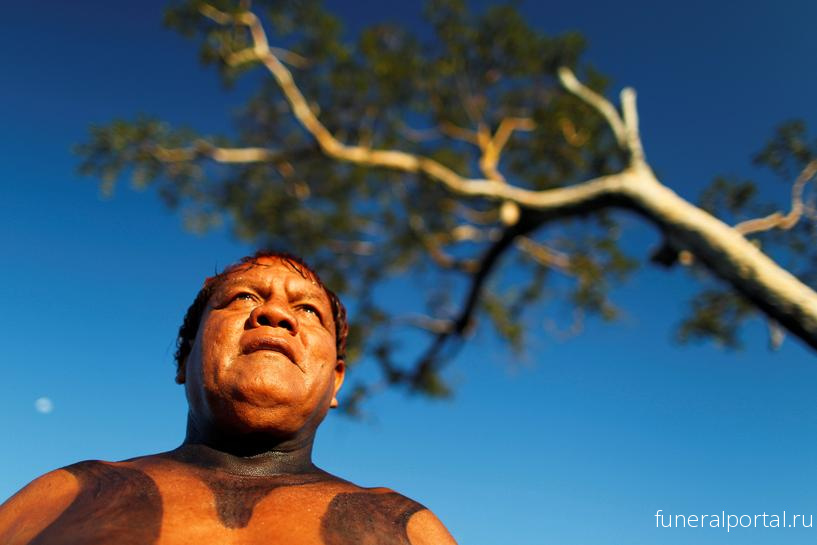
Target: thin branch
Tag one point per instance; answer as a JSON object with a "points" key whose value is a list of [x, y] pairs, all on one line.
{"points": [[632, 135], [458, 133], [357, 247], [601, 104], [626, 129], [417, 135], [545, 256], [427, 323], [492, 146], [778, 220], [469, 233], [430, 360], [433, 244], [202, 148], [573, 137], [776, 334], [483, 217]]}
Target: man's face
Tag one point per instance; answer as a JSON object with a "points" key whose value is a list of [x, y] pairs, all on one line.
{"points": [[264, 359]]}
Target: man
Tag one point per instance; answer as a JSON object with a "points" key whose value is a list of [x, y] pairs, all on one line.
{"points": [[260, 354]]}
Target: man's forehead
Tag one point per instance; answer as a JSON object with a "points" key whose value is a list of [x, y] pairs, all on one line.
{"points": [[267, 268]]}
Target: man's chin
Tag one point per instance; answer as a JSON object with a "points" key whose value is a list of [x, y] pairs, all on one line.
{"points": [[274, 419]]}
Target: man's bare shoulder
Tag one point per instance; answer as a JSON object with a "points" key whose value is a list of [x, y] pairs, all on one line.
{"points": [[36, 505], [354, 514]]}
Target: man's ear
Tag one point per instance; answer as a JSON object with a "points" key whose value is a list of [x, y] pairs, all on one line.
{"points": [[340, 372], [181, 371]]}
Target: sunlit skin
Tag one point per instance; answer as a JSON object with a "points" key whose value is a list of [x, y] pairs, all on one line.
{"points": [[262, 373]]}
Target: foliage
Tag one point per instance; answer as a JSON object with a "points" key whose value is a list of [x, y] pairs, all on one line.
{"points": [[440, 92]]}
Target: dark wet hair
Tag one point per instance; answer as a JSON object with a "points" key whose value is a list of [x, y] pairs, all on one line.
{"points": [[192, 318]]}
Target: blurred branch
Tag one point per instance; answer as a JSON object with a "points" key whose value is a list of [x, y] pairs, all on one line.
{"points": [[573, 137], [545, 256], [458, 133], [421, 321], [479, 216], [778, 220], [430, 361], [202, 148], [433, 243], [776, 334], [491, 147], [624, 129], [598, 102], [417, 135], [667, 256], [357, 247]]}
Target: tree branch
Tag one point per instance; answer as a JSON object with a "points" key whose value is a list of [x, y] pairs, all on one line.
{"points": [[458, 133], [721, 248], [430, 360], [625, 130], [202, 148], [778, 220], [568, 79], [434, 247], [555, 199], [491, 147], [545, 256], [427, 323]]}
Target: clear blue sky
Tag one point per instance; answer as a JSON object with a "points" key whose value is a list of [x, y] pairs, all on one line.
{"points": [[579, 442]]}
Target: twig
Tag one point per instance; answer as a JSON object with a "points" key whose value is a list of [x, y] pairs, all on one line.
{"points": [[601, 104], [625, 130], [421, 321], [778, 220], [492, 147], [545, 256], [429, 361], [222, 155]]}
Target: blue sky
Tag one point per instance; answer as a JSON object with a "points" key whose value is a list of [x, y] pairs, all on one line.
{"points": [[580, 441]]}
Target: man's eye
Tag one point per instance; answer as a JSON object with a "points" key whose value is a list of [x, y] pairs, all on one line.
{"points": [[310, 309], [243, 296]]}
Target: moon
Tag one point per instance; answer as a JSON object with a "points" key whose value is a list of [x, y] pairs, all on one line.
{"points": [[44, 405]]}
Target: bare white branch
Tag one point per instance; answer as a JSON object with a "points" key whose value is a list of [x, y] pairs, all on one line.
{"points": [[601, 104], [630, 111]]}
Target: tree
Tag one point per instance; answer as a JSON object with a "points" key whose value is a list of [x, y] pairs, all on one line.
{"points": [[404, 155]]}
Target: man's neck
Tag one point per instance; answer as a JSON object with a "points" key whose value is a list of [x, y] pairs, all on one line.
{"points": [[255, 455]]}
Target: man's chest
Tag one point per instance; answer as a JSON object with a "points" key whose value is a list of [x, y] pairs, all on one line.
{"points": [[128, 507]]}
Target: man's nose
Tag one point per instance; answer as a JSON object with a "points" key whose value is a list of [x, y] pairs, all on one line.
{"points": [[274, 314]]}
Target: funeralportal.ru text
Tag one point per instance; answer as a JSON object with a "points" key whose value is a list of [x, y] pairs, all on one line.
{"points": [[723, 520]]}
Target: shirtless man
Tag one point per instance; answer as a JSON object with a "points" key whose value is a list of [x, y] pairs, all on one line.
{"points": [[260, 354]]}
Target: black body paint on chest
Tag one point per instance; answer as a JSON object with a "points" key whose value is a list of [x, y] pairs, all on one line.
{"points": [[237, 495], [368, 518], [114, 505]]}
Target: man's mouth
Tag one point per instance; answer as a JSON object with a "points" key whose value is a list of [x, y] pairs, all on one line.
{"points": [[271, 344]]}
